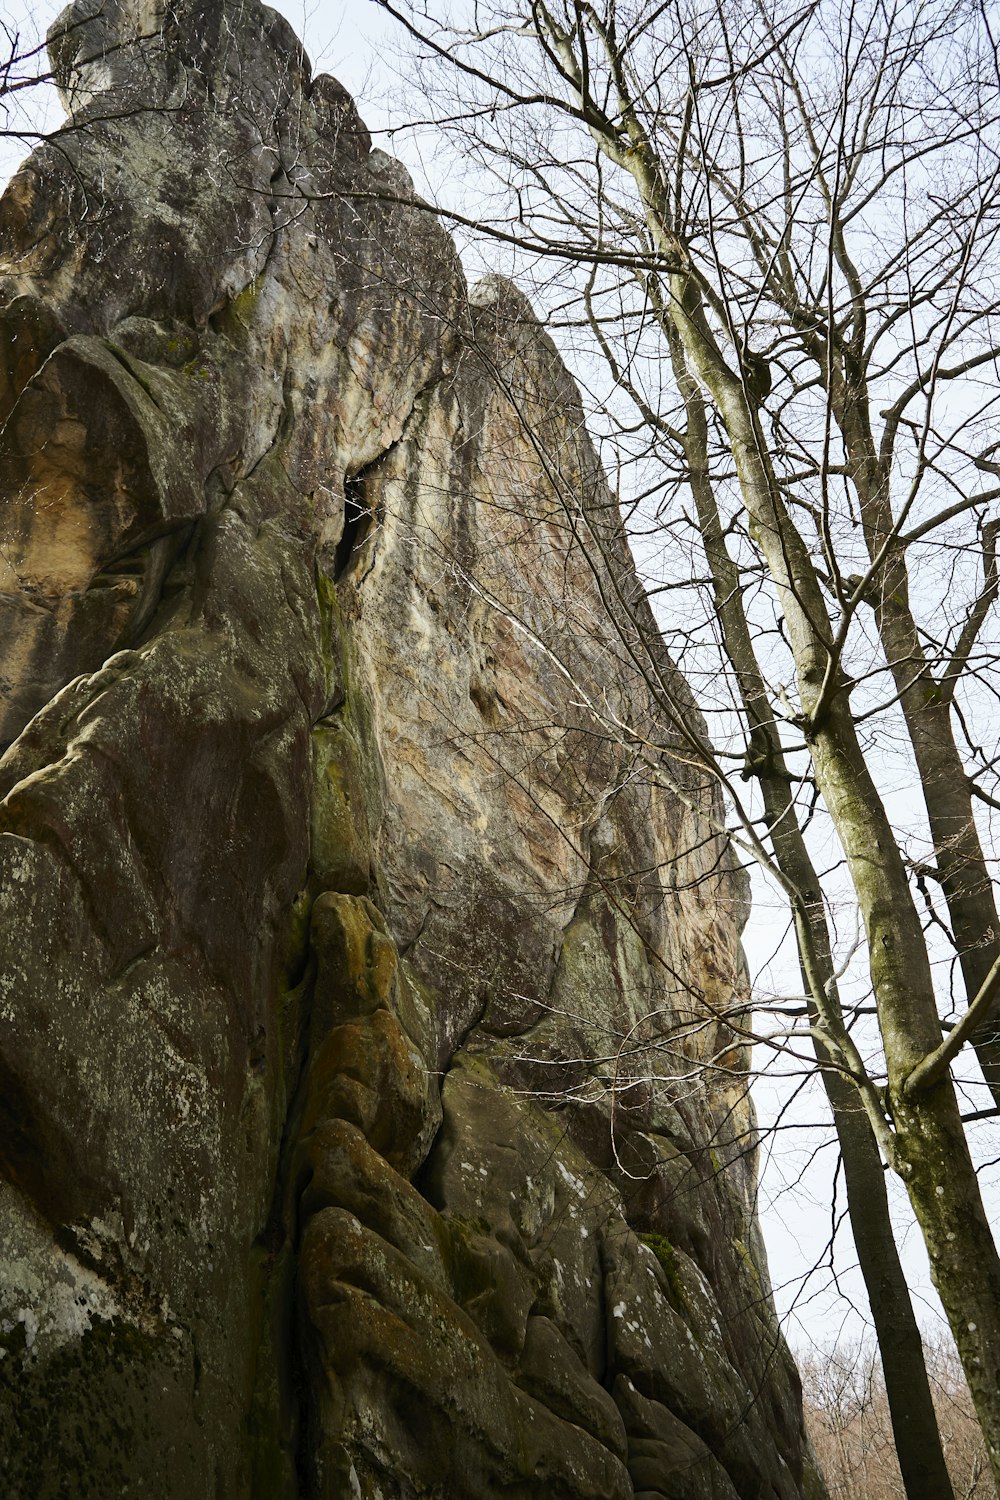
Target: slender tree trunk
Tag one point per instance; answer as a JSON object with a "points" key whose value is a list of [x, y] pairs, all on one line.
{"points": [[914, 1420], [929, 1148], [915, 1428], [926, 704]]}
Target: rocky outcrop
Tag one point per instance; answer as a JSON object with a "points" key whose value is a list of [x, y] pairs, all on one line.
{"points": [[373, 1121]]}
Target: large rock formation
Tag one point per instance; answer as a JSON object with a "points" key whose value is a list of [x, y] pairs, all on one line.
{"points": [[372, 1121]]}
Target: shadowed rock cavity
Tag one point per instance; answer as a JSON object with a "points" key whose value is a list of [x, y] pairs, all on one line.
{"points": [[346, 1145]]}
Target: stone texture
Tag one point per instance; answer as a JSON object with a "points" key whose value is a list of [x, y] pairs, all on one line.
{"points": [[371, 1119]]}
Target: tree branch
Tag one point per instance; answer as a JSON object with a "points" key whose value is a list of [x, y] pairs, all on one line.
{"points": [[934, 1066]]}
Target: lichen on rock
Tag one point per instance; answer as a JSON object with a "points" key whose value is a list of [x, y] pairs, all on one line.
{"points": [[346, 1144]]}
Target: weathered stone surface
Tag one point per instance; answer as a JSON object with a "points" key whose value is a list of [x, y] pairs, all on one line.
{"points": [[363, 923]]}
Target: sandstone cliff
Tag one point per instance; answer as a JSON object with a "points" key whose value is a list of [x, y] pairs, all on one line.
{"points": [[369, 1120]]}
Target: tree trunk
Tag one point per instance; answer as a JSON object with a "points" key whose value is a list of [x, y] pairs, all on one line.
{"points": [[926, 705], [930, 1150], [914, 1420]]}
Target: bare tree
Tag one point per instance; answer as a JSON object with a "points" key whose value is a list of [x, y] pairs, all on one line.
{"points": [[848, 1420], [24, 74], [779, 230]]}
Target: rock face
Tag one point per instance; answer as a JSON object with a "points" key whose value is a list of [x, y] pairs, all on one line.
{"points": [[371, 1119]]}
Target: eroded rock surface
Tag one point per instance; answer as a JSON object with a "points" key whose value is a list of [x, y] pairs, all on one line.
{"points": [[366, 931]]}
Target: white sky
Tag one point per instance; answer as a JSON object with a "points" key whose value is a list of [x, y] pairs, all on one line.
{"points": [[361, 46]]}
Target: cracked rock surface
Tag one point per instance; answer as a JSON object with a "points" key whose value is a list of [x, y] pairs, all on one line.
{"points": [[365, 931]]}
